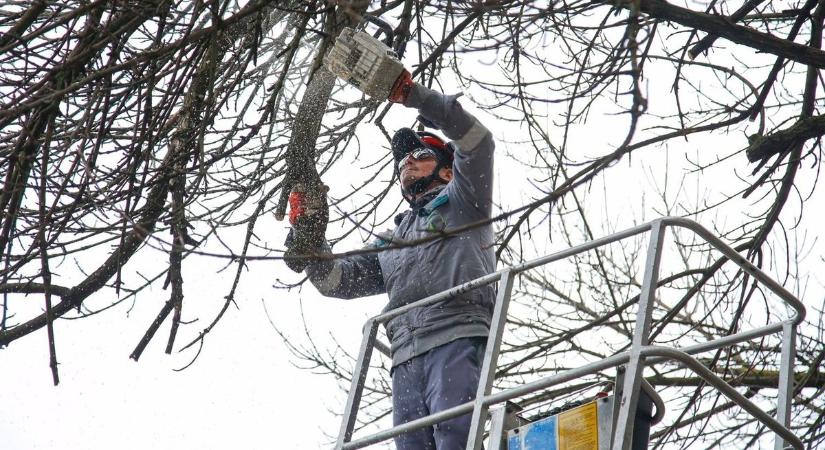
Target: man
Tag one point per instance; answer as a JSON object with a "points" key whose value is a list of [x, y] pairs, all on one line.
{"points": [[436, 350]]}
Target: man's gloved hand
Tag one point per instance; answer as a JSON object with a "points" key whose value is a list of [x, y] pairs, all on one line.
{"points": [[366, 63], [308, 215], [401, 88]]}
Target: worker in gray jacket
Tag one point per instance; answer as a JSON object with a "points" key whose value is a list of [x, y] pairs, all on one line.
{"points": [[436, 350]]}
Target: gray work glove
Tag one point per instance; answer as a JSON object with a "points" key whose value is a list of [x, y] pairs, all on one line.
{"points": [[308, 215]]}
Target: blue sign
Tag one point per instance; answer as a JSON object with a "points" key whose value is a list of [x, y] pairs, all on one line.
{"points": [[541, 435]]}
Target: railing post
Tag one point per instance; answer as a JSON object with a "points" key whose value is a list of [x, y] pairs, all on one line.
{"points": [[786, 381], [488, 367], [359, 376], [497, 419], [623, 433]]}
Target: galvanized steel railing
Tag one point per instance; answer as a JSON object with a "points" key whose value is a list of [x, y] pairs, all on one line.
{"points": [[636, 358]]}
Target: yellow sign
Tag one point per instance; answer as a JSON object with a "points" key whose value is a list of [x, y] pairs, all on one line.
{"points": [[578, 428]]}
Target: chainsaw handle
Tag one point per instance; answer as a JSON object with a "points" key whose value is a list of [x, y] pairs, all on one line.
{"points": [[383, 27]]}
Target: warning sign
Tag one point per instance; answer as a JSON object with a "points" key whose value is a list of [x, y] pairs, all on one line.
{"points": [[578, 428]]}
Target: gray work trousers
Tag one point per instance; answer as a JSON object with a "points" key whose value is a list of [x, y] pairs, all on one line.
{"points": [[444, 377]]}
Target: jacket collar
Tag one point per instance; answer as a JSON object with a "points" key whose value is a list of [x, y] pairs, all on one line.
{"points": [[420, 205], [427, 197]]}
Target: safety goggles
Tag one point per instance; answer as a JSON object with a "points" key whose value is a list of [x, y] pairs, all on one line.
{"points": [[420, 154]]}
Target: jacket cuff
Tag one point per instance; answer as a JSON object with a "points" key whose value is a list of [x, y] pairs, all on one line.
{"points": [[325, 276], [319, 269], [417, 95]]}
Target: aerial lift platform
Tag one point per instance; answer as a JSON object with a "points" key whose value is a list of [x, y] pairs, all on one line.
{"points": [[620, 421]]}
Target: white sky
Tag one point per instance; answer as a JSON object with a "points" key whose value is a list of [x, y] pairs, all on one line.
{"points": [[241, 393]]}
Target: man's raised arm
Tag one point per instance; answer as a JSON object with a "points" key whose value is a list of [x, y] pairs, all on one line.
{"points": [[473, 164]]}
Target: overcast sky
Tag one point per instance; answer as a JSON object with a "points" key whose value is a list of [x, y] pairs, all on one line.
{"points": [[241, 393]]}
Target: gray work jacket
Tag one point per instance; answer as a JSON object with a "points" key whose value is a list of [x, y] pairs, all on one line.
{"points": [[408, 274]]}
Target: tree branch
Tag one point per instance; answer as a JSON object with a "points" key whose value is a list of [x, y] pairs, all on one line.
{"points": [[723, 27], [762, 147]]}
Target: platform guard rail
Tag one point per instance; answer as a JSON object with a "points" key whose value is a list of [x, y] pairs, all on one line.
{"points": [[639, 355]]}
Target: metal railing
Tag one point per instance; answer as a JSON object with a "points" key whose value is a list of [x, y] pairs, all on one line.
{"points": [[635, 359]]}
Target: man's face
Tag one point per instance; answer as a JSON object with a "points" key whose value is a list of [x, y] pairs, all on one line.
{"points": [[414, 169]]}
